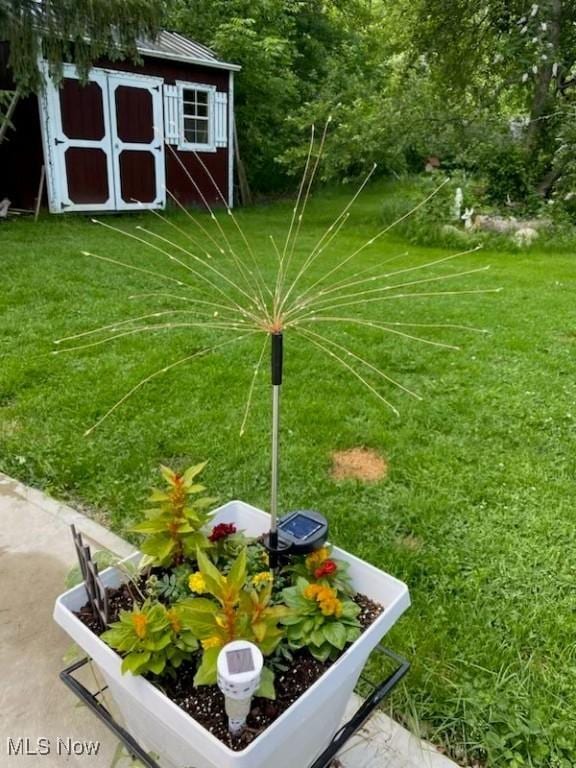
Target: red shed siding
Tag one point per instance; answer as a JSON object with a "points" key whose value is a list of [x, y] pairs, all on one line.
{"points": [[172, 71]]}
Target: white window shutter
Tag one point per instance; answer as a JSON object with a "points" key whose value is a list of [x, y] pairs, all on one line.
{"points": [[221, 119], [171, 115]]}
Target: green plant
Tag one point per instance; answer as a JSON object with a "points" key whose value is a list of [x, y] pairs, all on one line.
{"points": [[169, 587], [227, 543], [153, 639], [174, 528], [319, 620], [319, 567], [508, 170], [239, 608]]}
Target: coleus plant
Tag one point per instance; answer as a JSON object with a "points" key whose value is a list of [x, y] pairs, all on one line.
{"points": [[173, 528]]}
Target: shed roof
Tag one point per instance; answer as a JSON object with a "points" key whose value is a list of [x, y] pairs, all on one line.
{"points": [[176, 47]]}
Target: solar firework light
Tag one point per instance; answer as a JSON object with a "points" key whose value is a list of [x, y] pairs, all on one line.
{"points": [[298, 532], [239, 668]]}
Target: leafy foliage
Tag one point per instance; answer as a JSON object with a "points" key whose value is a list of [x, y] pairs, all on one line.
{"points": [[81, 31], [152, 638], [170, 587], [318, 620], [226, 548], [173, 529], [285, 48], [239, 608]]}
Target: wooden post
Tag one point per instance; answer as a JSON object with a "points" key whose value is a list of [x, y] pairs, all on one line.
{"points": [[40, 191], [245, 192]]}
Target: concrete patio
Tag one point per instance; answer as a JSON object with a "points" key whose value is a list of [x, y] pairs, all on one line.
{"points": [[38, 715]]}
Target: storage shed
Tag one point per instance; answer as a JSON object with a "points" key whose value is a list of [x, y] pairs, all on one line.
{"points": [[131, 137]]}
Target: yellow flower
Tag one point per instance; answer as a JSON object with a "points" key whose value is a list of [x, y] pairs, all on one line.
{"points": [[317, 557], [265, 577], [265, 558], [211, 642], [140, 621], [196, 583], [331, 607]]}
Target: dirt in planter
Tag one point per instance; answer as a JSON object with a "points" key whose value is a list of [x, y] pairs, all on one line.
{"points": [[206, 703]]}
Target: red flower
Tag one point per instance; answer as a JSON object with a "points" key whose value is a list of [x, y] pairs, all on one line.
{"points": [[221, 531], [327, 568]]}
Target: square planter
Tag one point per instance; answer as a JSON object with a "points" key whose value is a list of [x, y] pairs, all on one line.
{"points": [[298, 736]]}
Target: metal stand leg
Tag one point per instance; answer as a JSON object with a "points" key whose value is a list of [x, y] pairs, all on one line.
{"points": [[91, 701], [379, 693]]}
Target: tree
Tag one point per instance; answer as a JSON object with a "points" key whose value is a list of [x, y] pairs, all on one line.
{"points": [[286, 49], [81, 31], [517, 51]]}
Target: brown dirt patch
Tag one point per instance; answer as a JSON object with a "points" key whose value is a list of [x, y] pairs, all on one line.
{"points": [[359, 464], [411, 543]]}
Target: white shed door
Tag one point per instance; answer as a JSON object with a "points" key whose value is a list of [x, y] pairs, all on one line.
{"points": [[77, 137], [104, 142], [137, 141]]}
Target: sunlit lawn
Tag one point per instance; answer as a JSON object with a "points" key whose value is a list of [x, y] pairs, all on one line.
{"points": [[477, 514]]}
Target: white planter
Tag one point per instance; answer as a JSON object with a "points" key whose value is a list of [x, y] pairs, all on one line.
{"points": [[298, 736]]}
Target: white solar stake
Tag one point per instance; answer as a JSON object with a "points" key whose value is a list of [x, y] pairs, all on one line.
{"points": [[239, 670]]}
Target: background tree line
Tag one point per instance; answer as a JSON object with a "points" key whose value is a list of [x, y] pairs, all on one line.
{"points": [[488, 87]]}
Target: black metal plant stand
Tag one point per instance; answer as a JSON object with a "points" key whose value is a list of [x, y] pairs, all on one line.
{"points": [[379, 691]]}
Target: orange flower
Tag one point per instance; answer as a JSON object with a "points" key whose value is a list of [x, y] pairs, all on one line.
{"points": [[312, 590], [140, 621], [326, 597], [331, 607]]}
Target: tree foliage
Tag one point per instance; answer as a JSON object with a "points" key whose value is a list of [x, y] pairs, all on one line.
{"points": [[487, 86], [72, 30], [287, 49]]}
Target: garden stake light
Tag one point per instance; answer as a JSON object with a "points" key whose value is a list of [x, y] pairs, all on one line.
{"points": [[276, 359], [239, 672]]}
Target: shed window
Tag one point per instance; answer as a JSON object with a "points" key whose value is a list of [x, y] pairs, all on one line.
{"points": [[196, 117]]}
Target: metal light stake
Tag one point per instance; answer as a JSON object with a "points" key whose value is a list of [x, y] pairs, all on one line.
{"points": [[276, 358]]}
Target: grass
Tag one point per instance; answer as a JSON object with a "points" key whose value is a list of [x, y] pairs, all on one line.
{"points": [[477, 514]]}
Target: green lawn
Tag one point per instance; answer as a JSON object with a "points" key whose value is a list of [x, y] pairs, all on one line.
{"points": [[477, 514]]}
